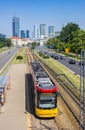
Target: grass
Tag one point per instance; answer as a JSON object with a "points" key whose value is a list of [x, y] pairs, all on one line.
{"points": [[60, 69], [21, 52], [5, 49]]}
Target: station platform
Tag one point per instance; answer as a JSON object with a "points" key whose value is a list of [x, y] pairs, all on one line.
{"points": [[14, 117]]}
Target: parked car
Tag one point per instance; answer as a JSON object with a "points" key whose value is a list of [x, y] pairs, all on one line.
{"points": [[71, 61]]}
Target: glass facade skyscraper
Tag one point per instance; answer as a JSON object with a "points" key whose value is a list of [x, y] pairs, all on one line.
{"points": [[27, 34], [22, 34], [50, 30], [15, 26], [35, 31], [43, 29]]}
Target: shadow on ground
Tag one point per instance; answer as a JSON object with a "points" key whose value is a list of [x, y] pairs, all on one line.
{"points": [[29, 94]]}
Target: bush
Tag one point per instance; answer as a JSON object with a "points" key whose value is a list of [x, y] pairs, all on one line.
{"points": [[45, 57], [19, 57], [40, 54]]}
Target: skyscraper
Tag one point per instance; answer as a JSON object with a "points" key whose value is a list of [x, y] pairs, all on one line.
{"points": [[34, 31], [42, 29], [15, 26], [51, 30], [27, 34], [22, 34]]}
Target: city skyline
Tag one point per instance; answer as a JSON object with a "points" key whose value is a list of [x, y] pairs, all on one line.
{"points": [[35, 12], [42, 31]]}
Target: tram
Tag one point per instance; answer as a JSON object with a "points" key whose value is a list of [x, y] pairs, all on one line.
{"points": [[45, 91]]}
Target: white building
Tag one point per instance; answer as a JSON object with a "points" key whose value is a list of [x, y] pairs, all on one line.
{"points": [[35, 32], [16, 41]]}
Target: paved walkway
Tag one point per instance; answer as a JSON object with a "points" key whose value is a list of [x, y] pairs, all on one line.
{"points": [[14, 117]]}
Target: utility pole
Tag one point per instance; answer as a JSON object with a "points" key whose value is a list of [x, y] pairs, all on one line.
{"points": [[82, 90]]}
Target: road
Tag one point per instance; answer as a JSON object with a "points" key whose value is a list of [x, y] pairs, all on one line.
{"points": [[73, 67], [6, 56], [65, 61]]}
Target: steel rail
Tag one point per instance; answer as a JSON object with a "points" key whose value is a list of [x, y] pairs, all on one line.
{"points": [[75, 99]]}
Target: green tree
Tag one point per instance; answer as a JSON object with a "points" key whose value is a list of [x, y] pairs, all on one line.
{"points": [[53, 42], [67, 33], [78, 41], [71, 37], [8, 43], [5, 42], [33, 45]]}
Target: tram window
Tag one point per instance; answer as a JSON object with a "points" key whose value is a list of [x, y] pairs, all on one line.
{"points": [[46, 104], [47, 100]]}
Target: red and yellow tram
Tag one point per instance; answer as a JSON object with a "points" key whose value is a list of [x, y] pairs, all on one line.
{"points": [[46, 92]]}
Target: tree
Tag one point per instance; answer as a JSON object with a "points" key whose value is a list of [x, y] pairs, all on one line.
{"points": [[53, 42], [78, 41], [8, 43], [33, 45], [67, 33], [71, 37], [5, 42]]}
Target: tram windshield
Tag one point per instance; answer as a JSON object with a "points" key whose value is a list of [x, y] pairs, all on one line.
{"points": [[47, 100]]}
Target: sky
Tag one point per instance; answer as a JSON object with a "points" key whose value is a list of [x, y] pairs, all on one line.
{"points": [[35, 12]]}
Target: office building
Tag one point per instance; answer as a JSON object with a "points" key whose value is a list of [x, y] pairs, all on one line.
{"points": [[35, 33], [15, 26], [27, 34], [51, 30], [22, 34], [42, 29]]}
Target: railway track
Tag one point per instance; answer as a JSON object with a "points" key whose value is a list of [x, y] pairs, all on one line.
{"points": [[70, 98], [37, 123], [74, 105]]}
